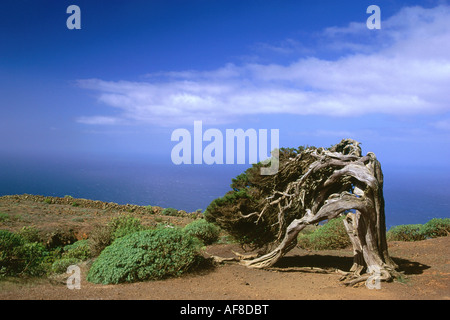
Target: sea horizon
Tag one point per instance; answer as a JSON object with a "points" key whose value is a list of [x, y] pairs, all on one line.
{"points": [[412, 195]]}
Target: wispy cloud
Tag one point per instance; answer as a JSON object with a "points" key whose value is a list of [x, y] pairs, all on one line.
{"points": [[285, 47], [404, 70], [100, 120]]}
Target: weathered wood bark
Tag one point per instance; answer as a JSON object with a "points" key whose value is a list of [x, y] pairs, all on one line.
{"points": [[338, 181]]}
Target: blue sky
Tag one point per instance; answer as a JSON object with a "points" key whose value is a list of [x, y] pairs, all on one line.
{"points": [[137, 70]]}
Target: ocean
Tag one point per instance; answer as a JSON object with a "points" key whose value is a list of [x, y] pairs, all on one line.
{"points": [[412, 195]]}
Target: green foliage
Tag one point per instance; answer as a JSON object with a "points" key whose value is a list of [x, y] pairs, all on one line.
{"points": [[146, 255], [10, 255], [103, 236], [48, 200], [293, 152], [79, 250], [30, 234], [19, 257], [4, 217], [149, 209], [331, 235], [170, 212], [52, 256], [406, 232], [223, 211], [415, 232], [124, 225], [436, 228], [235, 212], [61, 265], [207, 232]]}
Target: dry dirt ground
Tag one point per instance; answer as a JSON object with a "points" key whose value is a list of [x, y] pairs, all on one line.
{"points": [[426, 265]]}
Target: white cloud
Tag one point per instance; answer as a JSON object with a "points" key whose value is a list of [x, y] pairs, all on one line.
{"points": [[403, 69]]}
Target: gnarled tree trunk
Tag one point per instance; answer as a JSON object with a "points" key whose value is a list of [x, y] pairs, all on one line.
{"points": [[338, 181]]}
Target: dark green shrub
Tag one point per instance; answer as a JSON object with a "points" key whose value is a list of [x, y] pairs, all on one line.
{"points": [[10, 262], [33, 255], [223, 213], [207, 232], [406, 232], [170, 212], [146, 255], [52, 256], [331, 235], [19, 257]]}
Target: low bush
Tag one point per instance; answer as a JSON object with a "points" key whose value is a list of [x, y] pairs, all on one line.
{"points": [[332, 235], [146, 255], [19, 257], [99, 239], [79, 250], [30, 234], [170, 212], [4, 217], [103, 236], [61, 265], [207, 232], [124, 225], [406, 232], [434, 228]]}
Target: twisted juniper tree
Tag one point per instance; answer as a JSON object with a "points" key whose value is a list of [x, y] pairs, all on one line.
{"points": [[312, 185]]}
